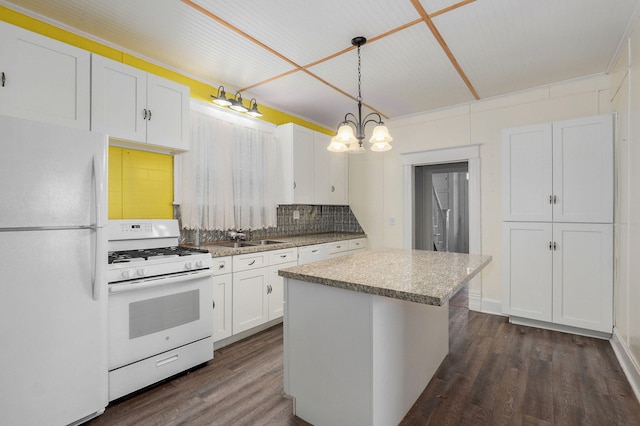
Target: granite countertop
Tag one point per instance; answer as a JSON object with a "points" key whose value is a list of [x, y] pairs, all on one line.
{"points": [[288, 241], [418, 276]]}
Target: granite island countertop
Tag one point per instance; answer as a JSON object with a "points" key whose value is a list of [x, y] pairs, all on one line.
{"points": [[419, 276], [288, 241]]}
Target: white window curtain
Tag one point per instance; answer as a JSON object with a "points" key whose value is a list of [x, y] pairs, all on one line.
{"points": [[228, 176]]}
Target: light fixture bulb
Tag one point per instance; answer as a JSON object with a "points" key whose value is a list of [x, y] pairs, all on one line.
{"points": [[345, 134], [337, 146], [236, 104], [381, 135], [221, 99], [380, 147], [355, 148]]}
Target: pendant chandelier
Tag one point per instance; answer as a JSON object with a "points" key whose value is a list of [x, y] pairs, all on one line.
{"points": [[345, 139]]}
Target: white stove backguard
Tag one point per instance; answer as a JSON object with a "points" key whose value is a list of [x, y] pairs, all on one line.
{"points": [[131, 234]]}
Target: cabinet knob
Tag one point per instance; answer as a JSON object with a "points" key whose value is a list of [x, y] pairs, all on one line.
{"points": [[333, 188], [214, 304]]}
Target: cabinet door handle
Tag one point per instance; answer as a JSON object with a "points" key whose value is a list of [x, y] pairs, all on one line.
{"points": [[252, 262], [294, 185], [333, 188], [282, 256], [555, 199], [221, 266], [555, 246], [144, 116], [149, 116], [214, 304], [4, 79], [550, 199], [550, 245]]}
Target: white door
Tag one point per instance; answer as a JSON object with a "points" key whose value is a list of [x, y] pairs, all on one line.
{"points": [[44, 79], [527, 173], [583, 170], [168, 122], [250, 305], [583, 275], [222, 301], [322, 176], [118, 99], [527, 270]]}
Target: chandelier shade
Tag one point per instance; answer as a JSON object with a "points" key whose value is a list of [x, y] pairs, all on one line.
{"points": [[350, 133]]}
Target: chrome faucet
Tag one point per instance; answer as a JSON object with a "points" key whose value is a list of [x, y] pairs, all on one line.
{"points": [[238, 235]]}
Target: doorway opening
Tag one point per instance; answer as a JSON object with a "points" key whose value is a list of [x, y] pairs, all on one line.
{"points": [[469, 154], [442, 207]]}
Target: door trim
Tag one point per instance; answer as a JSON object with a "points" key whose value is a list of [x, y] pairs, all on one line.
{"points": [[470, 154]]}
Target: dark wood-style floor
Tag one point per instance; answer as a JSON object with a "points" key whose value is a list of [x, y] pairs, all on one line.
{"points": [[496, 374]]}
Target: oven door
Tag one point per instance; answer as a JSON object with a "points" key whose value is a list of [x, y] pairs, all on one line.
{"points": [[150, 316]]}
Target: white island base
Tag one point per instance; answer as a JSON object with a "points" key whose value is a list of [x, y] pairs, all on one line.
{"points": [[354, 358]]}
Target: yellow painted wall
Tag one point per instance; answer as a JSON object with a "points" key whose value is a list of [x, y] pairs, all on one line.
{"points": [[199, 90], [140, 184]]}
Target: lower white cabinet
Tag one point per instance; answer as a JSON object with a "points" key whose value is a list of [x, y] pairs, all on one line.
{"points": [[313, 253], [560, 273], [343, 248], [222, 298], [258, 291]]}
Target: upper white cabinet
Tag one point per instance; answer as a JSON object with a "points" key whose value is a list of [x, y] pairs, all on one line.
{"points": [[43, 79], [295, 164], [133, 105], [560, 171], [308, 173], [331, 173]]}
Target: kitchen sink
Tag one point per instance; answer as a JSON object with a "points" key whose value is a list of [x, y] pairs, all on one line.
{"points": [[240, 244], [265, 242], [236, 244]]}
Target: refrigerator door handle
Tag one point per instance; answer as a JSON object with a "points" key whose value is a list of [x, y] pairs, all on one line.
{"points": [[100, 250]]}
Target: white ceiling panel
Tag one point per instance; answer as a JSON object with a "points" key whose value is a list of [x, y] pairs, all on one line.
{"points": [[509, 45], [501, 46], [309, 31], [419, 78]]}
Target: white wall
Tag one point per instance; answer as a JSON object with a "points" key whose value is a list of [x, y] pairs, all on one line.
{"points": [[625, 98], [375, 186]]}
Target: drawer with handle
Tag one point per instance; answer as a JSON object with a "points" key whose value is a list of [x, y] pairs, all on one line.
{"points": [[221, 265], [277, 257], [244, 262]]}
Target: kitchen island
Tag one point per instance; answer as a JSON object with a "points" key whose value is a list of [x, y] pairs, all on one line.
{"points": [[364, 333]]}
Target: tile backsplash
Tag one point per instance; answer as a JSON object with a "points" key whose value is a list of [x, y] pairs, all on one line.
{"points": [[312, 219]]}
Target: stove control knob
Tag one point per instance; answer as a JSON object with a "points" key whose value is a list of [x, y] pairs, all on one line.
{"points": [[199, 264], [140, 272], [188, 265], [127, 273]]}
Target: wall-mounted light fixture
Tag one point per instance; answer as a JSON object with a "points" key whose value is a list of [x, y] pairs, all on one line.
{"points": [[345, 140], [235, 103]]}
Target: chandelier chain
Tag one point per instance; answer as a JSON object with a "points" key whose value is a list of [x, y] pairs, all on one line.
{"points": [[359, 77]]}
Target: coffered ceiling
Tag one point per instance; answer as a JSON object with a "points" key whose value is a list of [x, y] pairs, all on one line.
{"points": [[296, 55]]}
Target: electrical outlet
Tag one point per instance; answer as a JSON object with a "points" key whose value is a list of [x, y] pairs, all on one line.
{"points": [[296, 214]]}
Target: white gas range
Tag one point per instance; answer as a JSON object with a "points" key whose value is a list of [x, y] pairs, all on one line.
{"points": [[160, 304]]}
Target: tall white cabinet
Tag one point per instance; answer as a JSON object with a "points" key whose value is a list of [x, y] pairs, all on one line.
{"points": [[557, 229]]}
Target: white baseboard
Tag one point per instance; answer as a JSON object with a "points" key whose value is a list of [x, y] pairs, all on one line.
{"points": [[475, 301], [492, 306], [629, 365]]}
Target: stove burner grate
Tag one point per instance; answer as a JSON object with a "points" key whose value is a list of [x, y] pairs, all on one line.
{"points": [[147, 254]]}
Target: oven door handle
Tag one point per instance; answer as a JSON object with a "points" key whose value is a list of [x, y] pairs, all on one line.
{"points": [[159, 281]]}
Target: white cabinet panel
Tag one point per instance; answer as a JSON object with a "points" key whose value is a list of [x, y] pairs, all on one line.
{"points": [[583, 275], [308, 173], [44, 79], [527, 168], [527, 270], [295, 164], [250, 305], [276, 290], [583, 170], [118, 99], [133, 105], [222, 306]]}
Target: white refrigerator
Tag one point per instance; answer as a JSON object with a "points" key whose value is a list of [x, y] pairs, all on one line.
{"points": [[53, 260]]}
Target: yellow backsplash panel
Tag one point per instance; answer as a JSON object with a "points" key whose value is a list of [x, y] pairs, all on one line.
{"points": [[140, 184]]}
